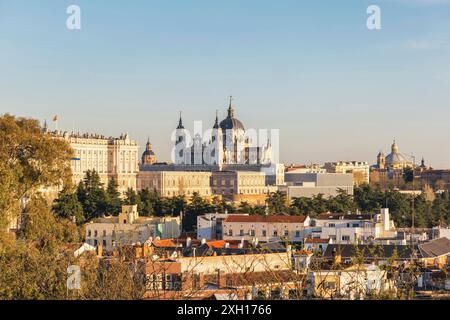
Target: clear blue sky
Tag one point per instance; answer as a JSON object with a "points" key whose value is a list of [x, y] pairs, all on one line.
{"points": [[336, 90]]}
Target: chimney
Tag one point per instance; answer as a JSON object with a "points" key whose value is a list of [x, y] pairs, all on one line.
{"points": [[145, 250], [385, 219], [99, 250], [337, 258], [188, 242]]}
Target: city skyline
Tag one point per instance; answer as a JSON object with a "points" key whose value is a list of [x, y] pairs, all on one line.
{"points": [[336, 90]]}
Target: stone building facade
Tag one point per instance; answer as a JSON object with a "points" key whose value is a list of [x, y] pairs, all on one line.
{"points": [[108, 156]]}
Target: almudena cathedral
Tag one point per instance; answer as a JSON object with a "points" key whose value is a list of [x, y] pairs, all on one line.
{"points": [[229, 165]]}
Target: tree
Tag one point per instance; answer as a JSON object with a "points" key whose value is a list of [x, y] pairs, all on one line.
{"points": [[92, 196], [196, 207], [342, 203], [148, 200], [132, 198], [29, 159], [245, 207], [408, 174], [277, 202], [178, 203], [114, 201], [67, 206]]}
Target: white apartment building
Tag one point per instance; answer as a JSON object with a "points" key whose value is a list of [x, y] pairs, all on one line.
{"points": [[312, 184], [108, 156], [210, 225], [265, 228], [352, 228], [356, 282], [129, 228], [359, 169]]}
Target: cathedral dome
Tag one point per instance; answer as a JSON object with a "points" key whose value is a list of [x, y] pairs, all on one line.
{"points": [[231, 123], [148, 153], [395, 158], [148, 156]]}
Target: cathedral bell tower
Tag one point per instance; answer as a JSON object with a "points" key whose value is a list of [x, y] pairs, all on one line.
{"points": [[216, 147], [381, 160], [181, 153]]}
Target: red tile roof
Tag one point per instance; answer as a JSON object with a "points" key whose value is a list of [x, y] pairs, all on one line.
{"points": [[164, 243], [216, 244], [258, 218], [304, 252]]}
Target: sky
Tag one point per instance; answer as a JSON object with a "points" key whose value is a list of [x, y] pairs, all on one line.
{"points": [[312, 69]]}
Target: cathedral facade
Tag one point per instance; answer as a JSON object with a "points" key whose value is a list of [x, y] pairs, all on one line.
{"points": [[228, 143]]}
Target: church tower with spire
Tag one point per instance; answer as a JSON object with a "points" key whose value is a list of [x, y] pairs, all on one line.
{"points": [[181, 146], [216, 150]]}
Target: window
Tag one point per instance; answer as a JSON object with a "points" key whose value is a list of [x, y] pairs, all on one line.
{"points": [[89, 233], [264, 233], [297, 234], [331, 225], [95, 242], [286, 233], [95, 233], [241, 232], [104, 243], [345, 238], [252, 233], [329, 285], [275, 233], [230, 232]]}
